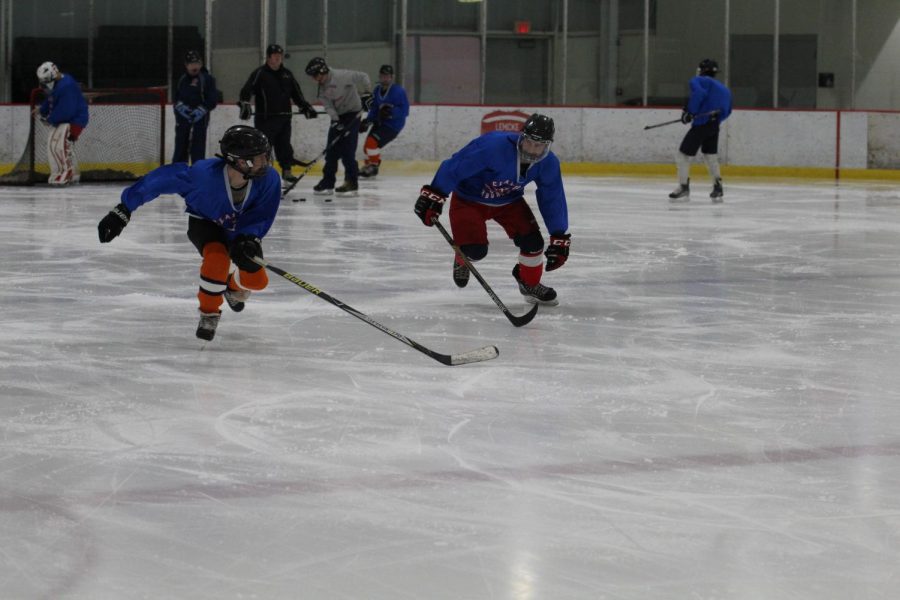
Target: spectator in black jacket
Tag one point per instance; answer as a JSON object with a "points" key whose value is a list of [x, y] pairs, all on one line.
{"points": [[273, 86], [195, 95]]}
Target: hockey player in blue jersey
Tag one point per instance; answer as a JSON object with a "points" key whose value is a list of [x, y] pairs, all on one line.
{"points": [[66, 111], [486, 181], [390, 108], [231, 202], [708, 106]]}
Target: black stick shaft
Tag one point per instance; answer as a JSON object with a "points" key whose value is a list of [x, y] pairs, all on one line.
{"points": [[478, 355]]}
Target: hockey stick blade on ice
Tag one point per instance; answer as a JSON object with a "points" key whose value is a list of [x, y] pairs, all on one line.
{"points": [[517, 321], [472, 356]]}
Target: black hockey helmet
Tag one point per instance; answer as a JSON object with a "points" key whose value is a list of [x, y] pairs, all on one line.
{"points": [[708, 66], [538, 128], [316, 66], [240, 143], [273, 49], [386, 70], [192, 56]]}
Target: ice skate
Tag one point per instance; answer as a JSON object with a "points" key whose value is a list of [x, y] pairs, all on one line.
{"points": [[682, 193], [536, 294], [347, 189], [323, 189], [717, 192], [236, 299], [206, 330], [460, 274], [370, 170]]}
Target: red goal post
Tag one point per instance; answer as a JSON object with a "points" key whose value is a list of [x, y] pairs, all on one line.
{"points": [[124, 138]]}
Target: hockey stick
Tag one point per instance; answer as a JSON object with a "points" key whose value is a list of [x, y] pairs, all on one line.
{"points": [[517, 321], [481, 354], [673, 121], [285, 114], [307, 166]]}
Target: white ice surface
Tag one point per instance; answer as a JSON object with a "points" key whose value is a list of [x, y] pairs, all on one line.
{"points": [[712, 412]]}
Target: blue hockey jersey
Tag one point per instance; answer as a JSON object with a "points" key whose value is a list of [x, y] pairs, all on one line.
{"points": [[66, 103], [486, 170], [395, 97], [204, 187], [707, 95]]}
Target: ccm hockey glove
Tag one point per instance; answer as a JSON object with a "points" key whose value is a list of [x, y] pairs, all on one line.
{"points": [[113, 223], [557, 252], [430, 204]]}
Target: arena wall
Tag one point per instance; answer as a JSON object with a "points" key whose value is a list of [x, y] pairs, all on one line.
{"points": [[603, 140]]}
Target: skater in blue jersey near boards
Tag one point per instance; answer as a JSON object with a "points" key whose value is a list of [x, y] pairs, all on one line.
{"points": [[707, 108], [486, 181], [231, 202]]}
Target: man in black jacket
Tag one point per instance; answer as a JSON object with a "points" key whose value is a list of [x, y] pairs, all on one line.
{"points": [[195, 95], [273, 86]]}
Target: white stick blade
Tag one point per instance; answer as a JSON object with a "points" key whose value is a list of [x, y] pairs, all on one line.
{"points": [[486, 353]]}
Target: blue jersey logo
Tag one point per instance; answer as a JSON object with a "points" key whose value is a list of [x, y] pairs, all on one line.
{"points": [[499, 189]]}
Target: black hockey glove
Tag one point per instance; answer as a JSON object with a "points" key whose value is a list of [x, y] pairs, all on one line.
{"points": [[385, 112], [245, 112], [430, 204], [308, 111], [113, 223], [243, 248], [366, 101], [364, 125], [557, 252], [337, 127], [686, 117]]}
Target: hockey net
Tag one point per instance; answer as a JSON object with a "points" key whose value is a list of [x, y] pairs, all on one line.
{"points": [[124, 138]]}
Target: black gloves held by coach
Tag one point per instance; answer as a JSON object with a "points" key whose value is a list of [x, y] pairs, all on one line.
{"points": [[308, 111], [364, 125], [430, 204], [243, 248], [113, 223], [686, 117], [245, 112], [557, 252], [366, 100]]}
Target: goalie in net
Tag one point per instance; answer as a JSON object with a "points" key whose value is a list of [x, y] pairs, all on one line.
{"points": [[125, 139], [65, 111]]}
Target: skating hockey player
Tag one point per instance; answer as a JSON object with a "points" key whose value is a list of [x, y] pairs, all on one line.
{"points": [[66, 111], [344, 93], [486, 180], [195, 96], [273, 87], [388, 113], [231, 202], [707, 108]]}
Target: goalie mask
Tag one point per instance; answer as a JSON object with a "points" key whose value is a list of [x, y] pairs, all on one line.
{"points": [[47, 74], [242, 146], [537, 135]]}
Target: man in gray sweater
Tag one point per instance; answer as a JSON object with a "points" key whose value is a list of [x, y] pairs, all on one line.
{"points": [[344, 94]]}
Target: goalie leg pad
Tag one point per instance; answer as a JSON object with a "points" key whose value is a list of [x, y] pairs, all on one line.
{"points": [[59, 150]]}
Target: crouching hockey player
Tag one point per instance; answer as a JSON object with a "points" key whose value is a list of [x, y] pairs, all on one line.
{"points": [[231, 202], [486, 180], [66, 111]]}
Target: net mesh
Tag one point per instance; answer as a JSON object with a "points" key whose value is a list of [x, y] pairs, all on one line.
{"points": [[124, 138]]}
